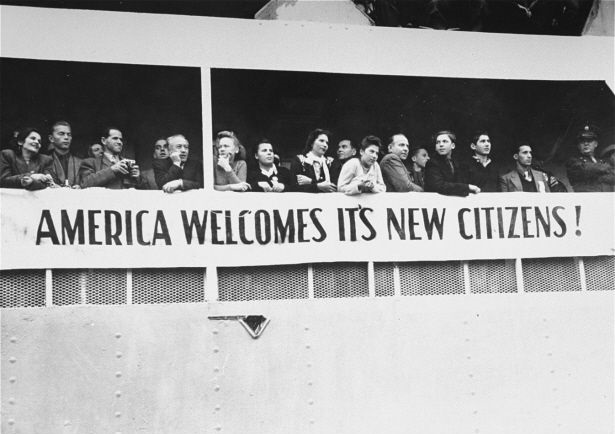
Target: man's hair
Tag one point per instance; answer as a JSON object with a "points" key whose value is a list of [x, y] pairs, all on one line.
{"points": [[106, 132], [172, 136], [451, 135], [59, 124], [390, 140], [415, 151], [517, 147], [353, 145], [477, 135], [370, 140]]}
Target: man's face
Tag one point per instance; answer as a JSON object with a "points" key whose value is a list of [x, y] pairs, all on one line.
{"points": [[482, 145], [345, 150], [400, 146], [444, 145], [421, 158], [161, 149], [61, 137], [97, 150], [180, 145], [524, 156], [587, 146], [113, 143]]}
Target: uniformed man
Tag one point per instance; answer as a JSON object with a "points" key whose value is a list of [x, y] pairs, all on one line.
{"points": [[585, 171]]}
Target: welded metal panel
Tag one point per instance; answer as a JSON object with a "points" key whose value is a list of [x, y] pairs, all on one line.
{"points": [[511, 363]]}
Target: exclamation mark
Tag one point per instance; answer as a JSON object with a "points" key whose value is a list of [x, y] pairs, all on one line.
{"points": [[578, 210]]}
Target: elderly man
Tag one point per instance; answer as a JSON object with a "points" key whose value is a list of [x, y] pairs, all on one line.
{"points": [[65, 164], [586, 172], [178, 172], [110, 170], [523, 177], [396, 176]]}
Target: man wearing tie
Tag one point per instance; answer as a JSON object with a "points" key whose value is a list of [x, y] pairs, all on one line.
{"points": [[523, 177], [178, 172], [110, 170]]}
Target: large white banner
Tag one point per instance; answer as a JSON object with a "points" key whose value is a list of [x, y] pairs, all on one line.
{"points": [[98, 228]]}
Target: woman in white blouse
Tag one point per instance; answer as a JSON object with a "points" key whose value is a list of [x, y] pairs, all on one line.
{"points": [[311, 169], [363, 175]]}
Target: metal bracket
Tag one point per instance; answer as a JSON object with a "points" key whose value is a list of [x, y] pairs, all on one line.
{"points": [[254, 324]]}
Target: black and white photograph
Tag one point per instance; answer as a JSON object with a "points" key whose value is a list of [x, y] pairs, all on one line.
{"points": [[307, 216]]}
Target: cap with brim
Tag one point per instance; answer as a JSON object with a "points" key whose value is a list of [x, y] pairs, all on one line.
{"points": [[587, 132]]}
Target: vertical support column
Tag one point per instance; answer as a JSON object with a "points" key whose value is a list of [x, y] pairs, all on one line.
{"points": [[519, 276], [371, 280], [466, 277], [396, 280], [206, 116], [582, 273], [310, 272], [48, 288], [129, 286], [211, 284], [83, 285]]}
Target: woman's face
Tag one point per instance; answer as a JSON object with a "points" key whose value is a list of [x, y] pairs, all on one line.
{"points": [[97, 150], [264, 155], [320, 145], [32, 143], [370, 155], [444, 144], [226, 147]]}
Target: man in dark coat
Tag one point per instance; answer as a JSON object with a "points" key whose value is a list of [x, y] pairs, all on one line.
{"points": [[178, 172], [482, 171], [443, 174], [65, 164]]}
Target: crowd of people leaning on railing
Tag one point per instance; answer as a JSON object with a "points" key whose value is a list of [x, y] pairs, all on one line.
{"points": [[357, 168]]}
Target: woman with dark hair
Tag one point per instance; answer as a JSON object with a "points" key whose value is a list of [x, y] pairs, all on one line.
{"points": [[311, 168], [363, 175], [229, 172], [26, 168], [442, 173], [267, 176]]}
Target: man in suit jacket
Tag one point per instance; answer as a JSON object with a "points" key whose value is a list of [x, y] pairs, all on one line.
{"points": [[110, 170], [523, 177], [394, 172], [65, 164], [178, 172]]}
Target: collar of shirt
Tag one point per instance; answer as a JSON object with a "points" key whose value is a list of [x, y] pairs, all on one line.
{"points": [[269, 173], [111, 157], [484, 164], [525, 174], [310, 158]]}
